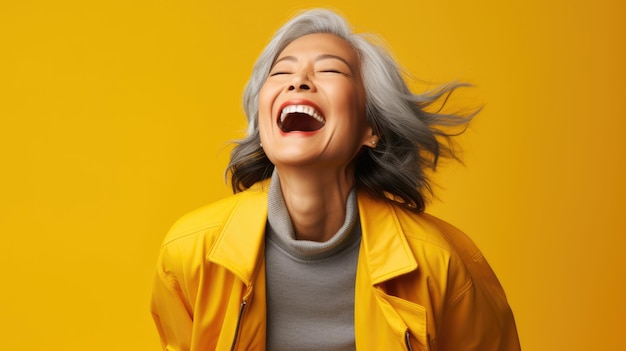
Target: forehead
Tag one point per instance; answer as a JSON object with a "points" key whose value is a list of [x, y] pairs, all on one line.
{"points": [[320, 44]]}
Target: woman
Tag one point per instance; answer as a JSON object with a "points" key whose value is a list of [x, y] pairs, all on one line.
{"points": [[326, 246]]}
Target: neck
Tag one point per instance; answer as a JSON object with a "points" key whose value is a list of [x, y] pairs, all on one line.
{"points": [[316, 201]]}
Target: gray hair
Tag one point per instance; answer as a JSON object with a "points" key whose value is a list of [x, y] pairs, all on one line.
{"points": [[411, 139]]}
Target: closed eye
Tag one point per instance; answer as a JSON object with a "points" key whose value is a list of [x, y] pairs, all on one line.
{"points": [[335, 71], [278, 73]]}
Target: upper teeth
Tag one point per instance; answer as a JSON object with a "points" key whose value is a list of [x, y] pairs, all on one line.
{"points": [[302, 109]]}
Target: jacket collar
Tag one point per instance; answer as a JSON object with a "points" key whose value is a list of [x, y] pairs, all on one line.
{"points": [[241, 243], [384, 245]]}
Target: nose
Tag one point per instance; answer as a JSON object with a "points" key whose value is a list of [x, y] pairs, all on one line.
{"points": [[301, 82], [301, 86]]}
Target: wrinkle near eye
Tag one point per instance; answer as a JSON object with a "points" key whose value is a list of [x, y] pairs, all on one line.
{"points": [[278, 73], [334, 71], [335, 57]]}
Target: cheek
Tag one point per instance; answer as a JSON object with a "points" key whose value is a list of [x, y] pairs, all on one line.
{"points": [[349, 100], [263, 98], [267, 96], [265, 107]]}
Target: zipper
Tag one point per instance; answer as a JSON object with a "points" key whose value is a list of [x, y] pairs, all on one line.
{"points": [[241, 310], [407, 340], [244, 301]]}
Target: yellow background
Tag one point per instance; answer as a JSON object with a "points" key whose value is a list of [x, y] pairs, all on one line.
{"points": [[115, 118]]}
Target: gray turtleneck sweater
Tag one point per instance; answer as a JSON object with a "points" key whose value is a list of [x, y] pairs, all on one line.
{"points": [[310, 285]]}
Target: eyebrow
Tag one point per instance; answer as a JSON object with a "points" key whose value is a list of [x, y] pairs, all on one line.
{"points": [[317, 58]]}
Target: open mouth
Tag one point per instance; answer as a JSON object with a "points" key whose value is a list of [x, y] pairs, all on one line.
{"points": [[300, 118]]}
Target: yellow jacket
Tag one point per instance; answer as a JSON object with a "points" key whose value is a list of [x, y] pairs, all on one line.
{"points": [[421, 284]]}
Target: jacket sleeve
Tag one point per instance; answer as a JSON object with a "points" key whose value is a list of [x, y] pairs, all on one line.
{"points": [[170, 308], [478, 317]]}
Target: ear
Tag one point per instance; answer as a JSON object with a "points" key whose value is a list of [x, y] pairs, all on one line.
{"points": [[370, 140]]}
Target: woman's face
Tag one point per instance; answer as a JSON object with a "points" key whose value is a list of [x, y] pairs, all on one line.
{"points": [[312, 105]]}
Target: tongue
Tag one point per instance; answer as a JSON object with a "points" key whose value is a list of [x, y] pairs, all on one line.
{"points": [[300, 122]]}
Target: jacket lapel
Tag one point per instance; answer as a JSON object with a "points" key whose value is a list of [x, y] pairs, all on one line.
{"points": [[385, 254], [386, 249], [241, 241], [239, 248]]}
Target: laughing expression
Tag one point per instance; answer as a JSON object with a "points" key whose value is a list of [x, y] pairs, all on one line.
{"points": [[312, 104]]}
